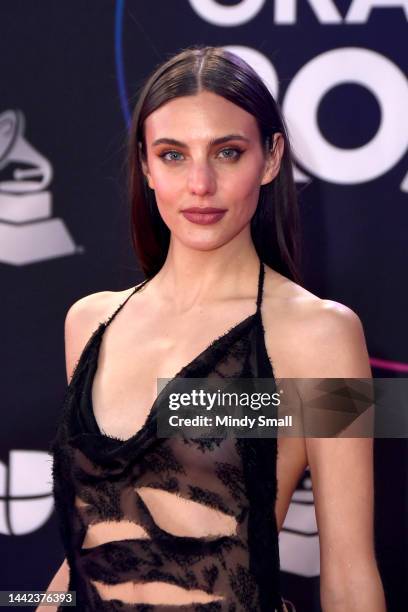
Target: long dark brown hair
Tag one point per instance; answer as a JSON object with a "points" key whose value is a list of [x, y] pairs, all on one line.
{"points": [[275, 223]]}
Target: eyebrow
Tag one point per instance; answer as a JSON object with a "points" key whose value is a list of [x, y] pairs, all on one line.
{"points": [[213, 141]]}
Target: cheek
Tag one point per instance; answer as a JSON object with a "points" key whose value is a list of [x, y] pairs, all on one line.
{"points": [[168, 183], [244, 185], [167, 192], [241, 194]]}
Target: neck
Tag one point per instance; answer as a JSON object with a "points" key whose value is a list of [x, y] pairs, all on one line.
{"points": [[195, 277]]}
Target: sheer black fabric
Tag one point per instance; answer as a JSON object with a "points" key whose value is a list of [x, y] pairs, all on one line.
{"points": [[125, 507]]}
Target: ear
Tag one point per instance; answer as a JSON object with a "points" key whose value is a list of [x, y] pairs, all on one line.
{"points": [[145, 167], [274, 158]]}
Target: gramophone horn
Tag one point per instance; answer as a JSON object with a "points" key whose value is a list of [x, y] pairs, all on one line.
{"points": [[15, 148]]}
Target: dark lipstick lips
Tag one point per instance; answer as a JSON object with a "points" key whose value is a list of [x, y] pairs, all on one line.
{"points": [[203, 216], [208, 209]]}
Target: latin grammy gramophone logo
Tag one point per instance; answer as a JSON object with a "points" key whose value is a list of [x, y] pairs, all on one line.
{"points": [[28, 232]]}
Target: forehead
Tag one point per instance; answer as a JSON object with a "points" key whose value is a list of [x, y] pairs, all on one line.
{"points": [[198, 117]]}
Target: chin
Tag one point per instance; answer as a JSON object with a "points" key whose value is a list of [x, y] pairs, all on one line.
{"points": [[202, 245]]}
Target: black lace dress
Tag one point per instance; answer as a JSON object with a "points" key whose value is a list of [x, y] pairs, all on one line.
{"points": [[112, 538]]}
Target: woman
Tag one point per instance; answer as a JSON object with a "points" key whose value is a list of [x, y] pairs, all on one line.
{"points": [[193, 524]]}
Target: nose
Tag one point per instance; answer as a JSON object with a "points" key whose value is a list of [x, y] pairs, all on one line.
{"points": [[201, 179]]}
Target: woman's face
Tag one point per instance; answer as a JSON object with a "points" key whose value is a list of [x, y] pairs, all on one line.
{"points": [[186, 168]]}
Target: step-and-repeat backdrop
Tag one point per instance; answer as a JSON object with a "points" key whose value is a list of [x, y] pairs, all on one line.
{"points": [[69, 73]]}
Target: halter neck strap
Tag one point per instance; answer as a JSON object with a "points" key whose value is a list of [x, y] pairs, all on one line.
{"points": [[135, 290], [260, 285]]}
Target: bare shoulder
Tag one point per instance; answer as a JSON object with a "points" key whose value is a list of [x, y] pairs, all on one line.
{"points": [[312, 337], [83, 318]]}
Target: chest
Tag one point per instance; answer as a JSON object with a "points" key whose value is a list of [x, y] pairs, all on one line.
{"points": [[131, 360]]}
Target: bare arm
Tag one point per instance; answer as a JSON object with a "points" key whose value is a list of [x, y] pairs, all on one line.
{"points": [[342, 473], [81, 320], [58, 583]]}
